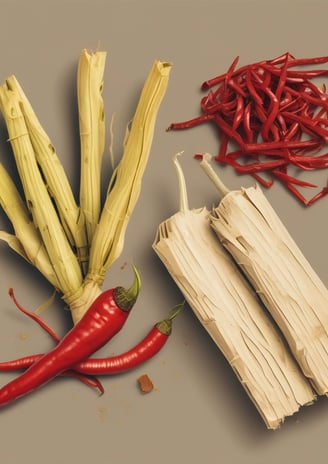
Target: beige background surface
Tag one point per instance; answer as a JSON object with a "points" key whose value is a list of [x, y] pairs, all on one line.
{"points": [[198, 411]]}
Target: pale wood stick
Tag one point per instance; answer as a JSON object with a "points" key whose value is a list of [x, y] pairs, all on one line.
{"points": [[250, 229]]}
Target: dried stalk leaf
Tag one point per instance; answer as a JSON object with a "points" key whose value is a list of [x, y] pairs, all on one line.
{"points": [[64, 262], [291, 290], [13, 242], [229, 310], [27, 241], [125, 184], [54, 173], [92, 135]]}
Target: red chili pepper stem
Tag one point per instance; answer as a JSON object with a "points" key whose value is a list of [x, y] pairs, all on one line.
{"points": [[126, 298], [165, 326]]}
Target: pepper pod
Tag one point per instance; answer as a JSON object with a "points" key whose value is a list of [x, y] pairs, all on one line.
{"points": [[249, 228], [230, 311]]}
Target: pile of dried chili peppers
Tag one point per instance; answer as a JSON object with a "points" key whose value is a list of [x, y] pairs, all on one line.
{"points": [[270, 115]]}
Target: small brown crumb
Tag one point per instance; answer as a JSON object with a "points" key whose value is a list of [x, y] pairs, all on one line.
{"points": [[123, 266], [145, 384]]}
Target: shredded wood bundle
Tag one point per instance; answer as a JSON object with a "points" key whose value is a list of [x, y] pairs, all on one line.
{"points": [[249, 228], [229, 310]]}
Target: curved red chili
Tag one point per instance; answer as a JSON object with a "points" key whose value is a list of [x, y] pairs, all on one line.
{"points": [[148, 347], [91, 382], [105, 317]]}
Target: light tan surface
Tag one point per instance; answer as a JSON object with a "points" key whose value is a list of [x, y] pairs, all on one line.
{"points": [[197, 411]]}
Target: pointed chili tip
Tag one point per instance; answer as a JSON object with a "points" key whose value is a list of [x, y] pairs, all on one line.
{"points": [[126, 298], [11, 291]]}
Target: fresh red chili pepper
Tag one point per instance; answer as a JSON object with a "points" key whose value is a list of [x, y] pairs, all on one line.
{"points": [[91, 382], [105, 317], [146, 349]]}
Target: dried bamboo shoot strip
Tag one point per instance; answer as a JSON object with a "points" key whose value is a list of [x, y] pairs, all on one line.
{"points": [[64, 262], [92, 135], [125, 184], [54, 174]]}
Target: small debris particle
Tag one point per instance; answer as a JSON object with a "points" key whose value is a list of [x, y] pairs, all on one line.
{"points": [[23, 336], [102, 413], [145, 384], [123, 266]]}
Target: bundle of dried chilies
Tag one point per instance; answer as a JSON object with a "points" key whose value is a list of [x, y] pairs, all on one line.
{"points": [[230, 311], [270, 115]]}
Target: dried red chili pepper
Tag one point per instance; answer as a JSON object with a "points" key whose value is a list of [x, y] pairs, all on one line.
{"points": [[269, 109]]}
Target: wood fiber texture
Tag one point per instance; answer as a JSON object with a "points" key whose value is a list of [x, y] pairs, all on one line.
{"points": [[233, 315]]}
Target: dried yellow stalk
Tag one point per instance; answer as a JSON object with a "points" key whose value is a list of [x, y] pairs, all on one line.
{"points": [[125, 184], [54, 174], [58, 238], [92, 135], [293, 293], [229, 310], [26, 241], [64, 262]]}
